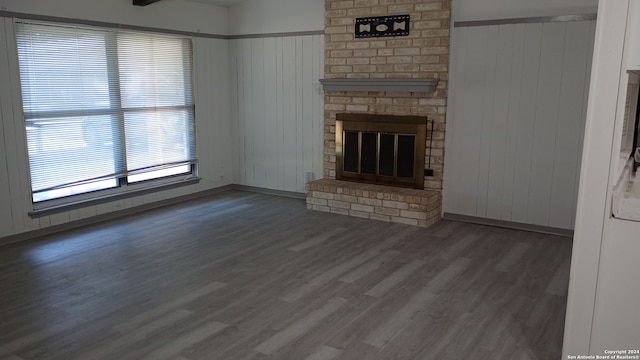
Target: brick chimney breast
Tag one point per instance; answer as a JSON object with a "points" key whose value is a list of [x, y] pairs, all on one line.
{"points": [[423, 54]]}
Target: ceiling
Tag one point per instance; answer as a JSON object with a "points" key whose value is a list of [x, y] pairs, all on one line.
{"points": [[220, 2]]}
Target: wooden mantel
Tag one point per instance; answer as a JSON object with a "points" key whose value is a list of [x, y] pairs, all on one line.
{"points": [[387, 85]]}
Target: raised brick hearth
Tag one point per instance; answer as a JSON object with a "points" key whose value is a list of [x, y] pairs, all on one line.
{"points": [[377, 202]]}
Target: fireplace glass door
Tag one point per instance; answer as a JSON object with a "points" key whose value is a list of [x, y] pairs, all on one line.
{"points": [[381, 149], [382, 154]]}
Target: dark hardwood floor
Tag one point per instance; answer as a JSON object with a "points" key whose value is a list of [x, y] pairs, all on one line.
{"points": [[250, 276]]}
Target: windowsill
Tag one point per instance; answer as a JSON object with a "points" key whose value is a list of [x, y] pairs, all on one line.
{"points": [[45, 211]]}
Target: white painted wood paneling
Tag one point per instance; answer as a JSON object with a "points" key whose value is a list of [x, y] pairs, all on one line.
{"points": [[486, 138], [214, 143], [516, 117], [469, 106], [512, 123], [571, 121], [528, 91], [15, 136], [289, 123], [270, 101], [546, 117], [277, 103], [6, 226], [500, 124], [276, 16]]}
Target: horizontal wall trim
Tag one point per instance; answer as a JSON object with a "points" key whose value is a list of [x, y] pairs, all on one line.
{"points": [[36, 17], [539, 19], [508, 224], [280, 34]]}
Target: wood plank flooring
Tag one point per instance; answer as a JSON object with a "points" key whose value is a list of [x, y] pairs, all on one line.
{"points": [[250, 276]]}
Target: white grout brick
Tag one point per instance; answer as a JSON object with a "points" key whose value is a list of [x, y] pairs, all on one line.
{"points": [[321, 208], [395, 204], [413, 214], [386, 211], [347, 198], [359, 214], [380, 217], [369, 201], [322, 195], [339, 204], [401, 220], [363, 208], [314, 201], [340, 211]]}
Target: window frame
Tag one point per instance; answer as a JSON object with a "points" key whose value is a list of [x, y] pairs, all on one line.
{"points": [[123, 188]]}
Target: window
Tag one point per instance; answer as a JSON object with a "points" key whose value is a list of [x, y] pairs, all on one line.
{"points": [[104, 108]]}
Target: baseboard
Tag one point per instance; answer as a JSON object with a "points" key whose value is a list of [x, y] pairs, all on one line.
{"points": [[289, 194], [509, 224], [11, 239]]}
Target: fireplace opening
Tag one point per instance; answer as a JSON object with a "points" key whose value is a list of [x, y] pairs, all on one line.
{"points": [[381, 149]]}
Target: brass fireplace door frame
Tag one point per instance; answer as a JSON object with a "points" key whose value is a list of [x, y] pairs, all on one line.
{"points": [[392, 124]]}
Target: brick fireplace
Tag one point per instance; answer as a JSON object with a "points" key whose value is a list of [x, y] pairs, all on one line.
{"points": [[404, 76]]}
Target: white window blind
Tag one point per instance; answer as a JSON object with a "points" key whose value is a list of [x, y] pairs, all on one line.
{"points": [[104, 108]]}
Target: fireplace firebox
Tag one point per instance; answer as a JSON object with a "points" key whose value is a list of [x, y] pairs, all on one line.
{"points": [[381, 149]]}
